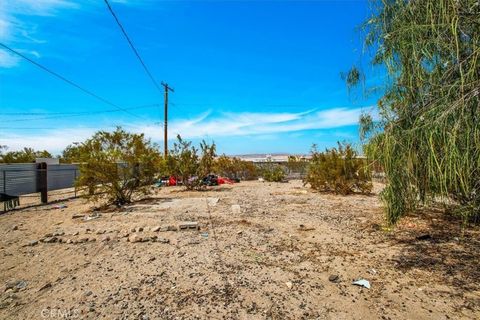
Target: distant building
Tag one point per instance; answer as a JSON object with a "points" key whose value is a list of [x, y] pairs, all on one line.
{"points": [[50, 161]]}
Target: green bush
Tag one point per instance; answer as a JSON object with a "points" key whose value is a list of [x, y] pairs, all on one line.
{"points": [[117, 164], [184, 163], [273, 173], [235, 168], [338, 170]]}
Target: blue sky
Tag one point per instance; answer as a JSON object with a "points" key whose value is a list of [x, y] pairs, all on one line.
{"points": [[254, 76]]}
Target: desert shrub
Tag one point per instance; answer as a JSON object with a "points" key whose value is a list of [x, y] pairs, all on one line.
{"points": [[184, 162], [427, 137], [338, 170], [235, 168], [273, 173], [117, 164]]}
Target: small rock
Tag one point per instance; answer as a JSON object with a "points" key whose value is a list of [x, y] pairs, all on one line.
{"points": [[135, 238], [289, 284], [32, 243], [45, 286], [106, 239], [163, 240], [189, 225], [69, 241], [76, 233], [236, 209], [172, 228], [334, 278], [15, 227], [58, 233], [50, 239], [88, 293], [139, 229], [156, 229]]}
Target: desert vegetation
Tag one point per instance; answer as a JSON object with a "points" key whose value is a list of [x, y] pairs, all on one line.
{"points": [[427, 136], [338, 170]]}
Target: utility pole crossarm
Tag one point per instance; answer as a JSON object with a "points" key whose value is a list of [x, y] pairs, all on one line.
{"points": [[165, 128]]}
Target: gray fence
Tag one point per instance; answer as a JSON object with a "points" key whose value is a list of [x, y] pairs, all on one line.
{"points": [[26, 178]]}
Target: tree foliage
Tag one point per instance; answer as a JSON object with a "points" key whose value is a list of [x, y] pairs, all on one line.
{"points": [[338, 170], [235, 168], [118, 164], [428, 136], [184, 162], [27, 155], [273, 172]]}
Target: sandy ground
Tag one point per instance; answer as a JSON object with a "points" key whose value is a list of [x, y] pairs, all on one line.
{"points": [[284, 253]]}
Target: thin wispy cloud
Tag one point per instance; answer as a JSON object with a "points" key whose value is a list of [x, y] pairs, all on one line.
{"points": [[205, 125], [16, 28]]}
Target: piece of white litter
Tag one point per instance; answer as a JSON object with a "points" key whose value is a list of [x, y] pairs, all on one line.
{"points": [[362, 283], [212, 202]]}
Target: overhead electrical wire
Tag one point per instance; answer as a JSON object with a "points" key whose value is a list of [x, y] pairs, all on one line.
{"points": [[135, 51], [69, 81], [64, 115], [74, 113]]}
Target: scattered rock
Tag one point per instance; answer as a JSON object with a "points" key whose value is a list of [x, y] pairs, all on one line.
{"points": [[156, 229], [236, 209], [58, 233], [289, 284], [334, 278], [32, 243], [15, 227], [189, 225], [50, 239], [45, 286], [139, 229], [135, 238], [16, 285], [88, 293], [106, 239], [69, 241]]}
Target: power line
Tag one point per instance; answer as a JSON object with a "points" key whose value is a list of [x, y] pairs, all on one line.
{"points": [[133, 47], [73, 113], [68, 81], [96, 127], [64, 115]]}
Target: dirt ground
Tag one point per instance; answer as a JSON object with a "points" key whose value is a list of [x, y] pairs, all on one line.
{"points": [[263, 251]]}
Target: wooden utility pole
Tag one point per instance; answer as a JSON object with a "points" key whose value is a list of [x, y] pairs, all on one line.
{"points": [[165, 126]]}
